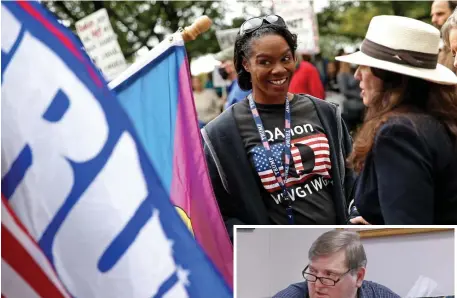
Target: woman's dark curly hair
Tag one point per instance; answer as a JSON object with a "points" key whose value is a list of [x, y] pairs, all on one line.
{"points": [[402, 95], [243, 49]]}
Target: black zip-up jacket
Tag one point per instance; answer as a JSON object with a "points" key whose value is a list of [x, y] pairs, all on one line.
{"points": [[410, 175], [235, 186]]}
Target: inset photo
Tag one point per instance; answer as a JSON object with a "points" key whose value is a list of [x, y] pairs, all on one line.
{"points": [[302, 262]]}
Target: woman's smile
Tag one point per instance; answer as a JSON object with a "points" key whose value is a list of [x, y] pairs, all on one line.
{"points": [[278, 82]]}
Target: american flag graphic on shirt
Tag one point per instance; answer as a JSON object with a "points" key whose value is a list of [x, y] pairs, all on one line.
{"points": [[310, 157]]}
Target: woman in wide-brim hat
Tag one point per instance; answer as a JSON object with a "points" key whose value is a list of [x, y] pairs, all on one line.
{"points": [[406, 149]]}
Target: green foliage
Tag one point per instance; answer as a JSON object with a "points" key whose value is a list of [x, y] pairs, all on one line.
{"points": [[146, 23], [346, 22]]}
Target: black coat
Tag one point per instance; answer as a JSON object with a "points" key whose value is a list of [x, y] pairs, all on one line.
{"points": [[234, 181], [410, 176]]}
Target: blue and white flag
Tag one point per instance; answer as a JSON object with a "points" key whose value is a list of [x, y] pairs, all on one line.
{"points": [[78, 179]]}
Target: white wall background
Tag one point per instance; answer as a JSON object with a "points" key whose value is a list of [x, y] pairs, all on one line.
{"points": [[268, 260]]}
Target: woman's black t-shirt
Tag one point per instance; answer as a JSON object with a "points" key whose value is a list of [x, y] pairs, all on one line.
{"points": [[309, 183]]}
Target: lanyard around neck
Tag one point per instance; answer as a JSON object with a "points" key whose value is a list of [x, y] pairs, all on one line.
{"points": [[271, 160]]}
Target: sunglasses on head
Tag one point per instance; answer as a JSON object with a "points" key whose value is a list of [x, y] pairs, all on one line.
{"points": [[255, 23]]}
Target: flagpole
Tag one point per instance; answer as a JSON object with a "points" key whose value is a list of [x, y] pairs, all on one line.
{"points": [[200, 25], [215, 240]]}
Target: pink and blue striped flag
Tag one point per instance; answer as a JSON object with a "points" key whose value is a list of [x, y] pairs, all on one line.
{"points": [[157, 95], [84, 211]]}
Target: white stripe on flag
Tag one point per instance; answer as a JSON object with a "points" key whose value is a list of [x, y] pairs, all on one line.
{"points": [[321, 152], [324, 139], [273, 178], [322, 159], [13, 285], [319, 145], [323, 167], [32, 248], [271, 186]]}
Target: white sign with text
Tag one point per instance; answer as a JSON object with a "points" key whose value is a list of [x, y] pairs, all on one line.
{"points": [[226, 38], [301, 20], [100, 42]]}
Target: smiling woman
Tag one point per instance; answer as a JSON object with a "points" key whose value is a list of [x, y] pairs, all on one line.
{"points": [[276, 157]]}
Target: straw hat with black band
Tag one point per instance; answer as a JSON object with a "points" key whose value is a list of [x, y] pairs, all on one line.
{"points": [[402, 45]]}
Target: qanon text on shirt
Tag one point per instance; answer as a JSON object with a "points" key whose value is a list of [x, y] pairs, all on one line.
{"points": [[296, 130]]}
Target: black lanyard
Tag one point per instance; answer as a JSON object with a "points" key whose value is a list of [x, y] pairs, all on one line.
{"points": [[287, 154]]}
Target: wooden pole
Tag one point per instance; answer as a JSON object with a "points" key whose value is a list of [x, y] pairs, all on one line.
{"points": [[200, 25]]}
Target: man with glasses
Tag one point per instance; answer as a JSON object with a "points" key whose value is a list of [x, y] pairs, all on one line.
{"points": [[336, 269]]}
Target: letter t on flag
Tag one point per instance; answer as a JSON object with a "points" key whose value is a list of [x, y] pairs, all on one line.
{"points": [[157, 95]]}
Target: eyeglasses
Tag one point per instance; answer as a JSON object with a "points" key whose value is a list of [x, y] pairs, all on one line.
{"points": [[324, 280], [255, 23]]}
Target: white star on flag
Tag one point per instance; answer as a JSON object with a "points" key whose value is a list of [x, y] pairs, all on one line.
{"points": [[183, 275]]}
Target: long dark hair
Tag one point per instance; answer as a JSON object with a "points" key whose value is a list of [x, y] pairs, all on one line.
{"points": [[401, 95], [243, 49]]}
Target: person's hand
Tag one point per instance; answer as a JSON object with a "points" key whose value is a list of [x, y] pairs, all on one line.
{"points": [[359, 221]]}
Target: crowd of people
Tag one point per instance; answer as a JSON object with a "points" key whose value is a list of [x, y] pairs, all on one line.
{"points": [[282, 151]]}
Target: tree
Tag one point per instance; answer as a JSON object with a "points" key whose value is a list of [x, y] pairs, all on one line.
{"points": [[347, 21], [140, 24]]}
